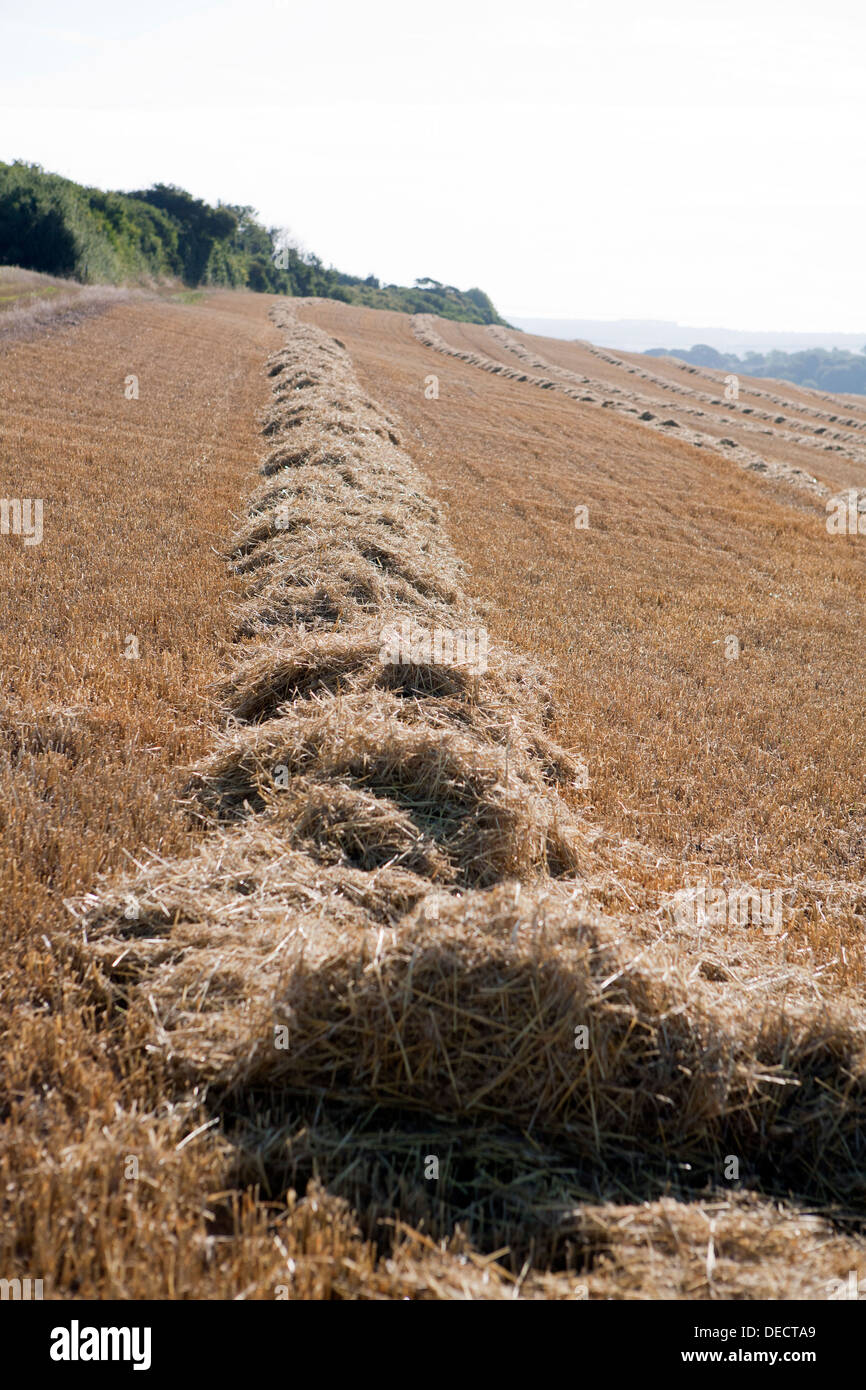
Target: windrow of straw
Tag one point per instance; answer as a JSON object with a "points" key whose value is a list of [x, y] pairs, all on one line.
{"points": [[383, 952], [821, 438], [688, 369], [600, 394]]}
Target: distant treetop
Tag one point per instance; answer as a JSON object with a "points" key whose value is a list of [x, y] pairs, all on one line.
{"points": [[822, 369], [51, 224]]}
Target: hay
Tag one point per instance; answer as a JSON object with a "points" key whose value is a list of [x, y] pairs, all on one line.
{"points": [[386, 937], [629, 403], [785, 402], [633, 402]]}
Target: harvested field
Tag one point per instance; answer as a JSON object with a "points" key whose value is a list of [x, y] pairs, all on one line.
{"points": [[31, 303], [631, 614], [787, 441], [389, 1000]]}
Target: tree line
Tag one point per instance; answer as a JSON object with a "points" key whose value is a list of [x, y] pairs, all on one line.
{"points": [[822, 369], [51, 224]]}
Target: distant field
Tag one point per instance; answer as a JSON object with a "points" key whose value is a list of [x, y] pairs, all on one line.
{"points": [[224, 810], [21, 288], [18, 284], [31, 303]]}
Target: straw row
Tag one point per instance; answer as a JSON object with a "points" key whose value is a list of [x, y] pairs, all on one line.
{"points": [[828, 441], [383, 948], [635, 406]]}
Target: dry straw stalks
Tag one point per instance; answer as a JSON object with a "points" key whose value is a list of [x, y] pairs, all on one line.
{"points": [[632, 403], [382, 950], [831, 416], [31, 303], [835, 441]]}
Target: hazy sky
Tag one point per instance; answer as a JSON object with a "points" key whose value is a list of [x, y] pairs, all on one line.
{"points": [[677, 160]]}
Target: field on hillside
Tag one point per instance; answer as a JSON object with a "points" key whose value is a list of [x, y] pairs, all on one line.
{"points": [[432, 822]]}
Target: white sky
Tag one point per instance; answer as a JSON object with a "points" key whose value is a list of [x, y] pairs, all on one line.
{"points": [[678, 159]]}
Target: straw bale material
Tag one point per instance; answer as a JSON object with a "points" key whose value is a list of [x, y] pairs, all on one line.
{"points": [[385, 945]]}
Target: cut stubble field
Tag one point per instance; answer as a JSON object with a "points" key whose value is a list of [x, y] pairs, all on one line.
{"points": [[148, 1133], [736, 770], [138, 497]]}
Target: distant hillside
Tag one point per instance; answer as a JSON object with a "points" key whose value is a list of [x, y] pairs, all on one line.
{"points": [[51, 224], [822, 369], [641, 335]]}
